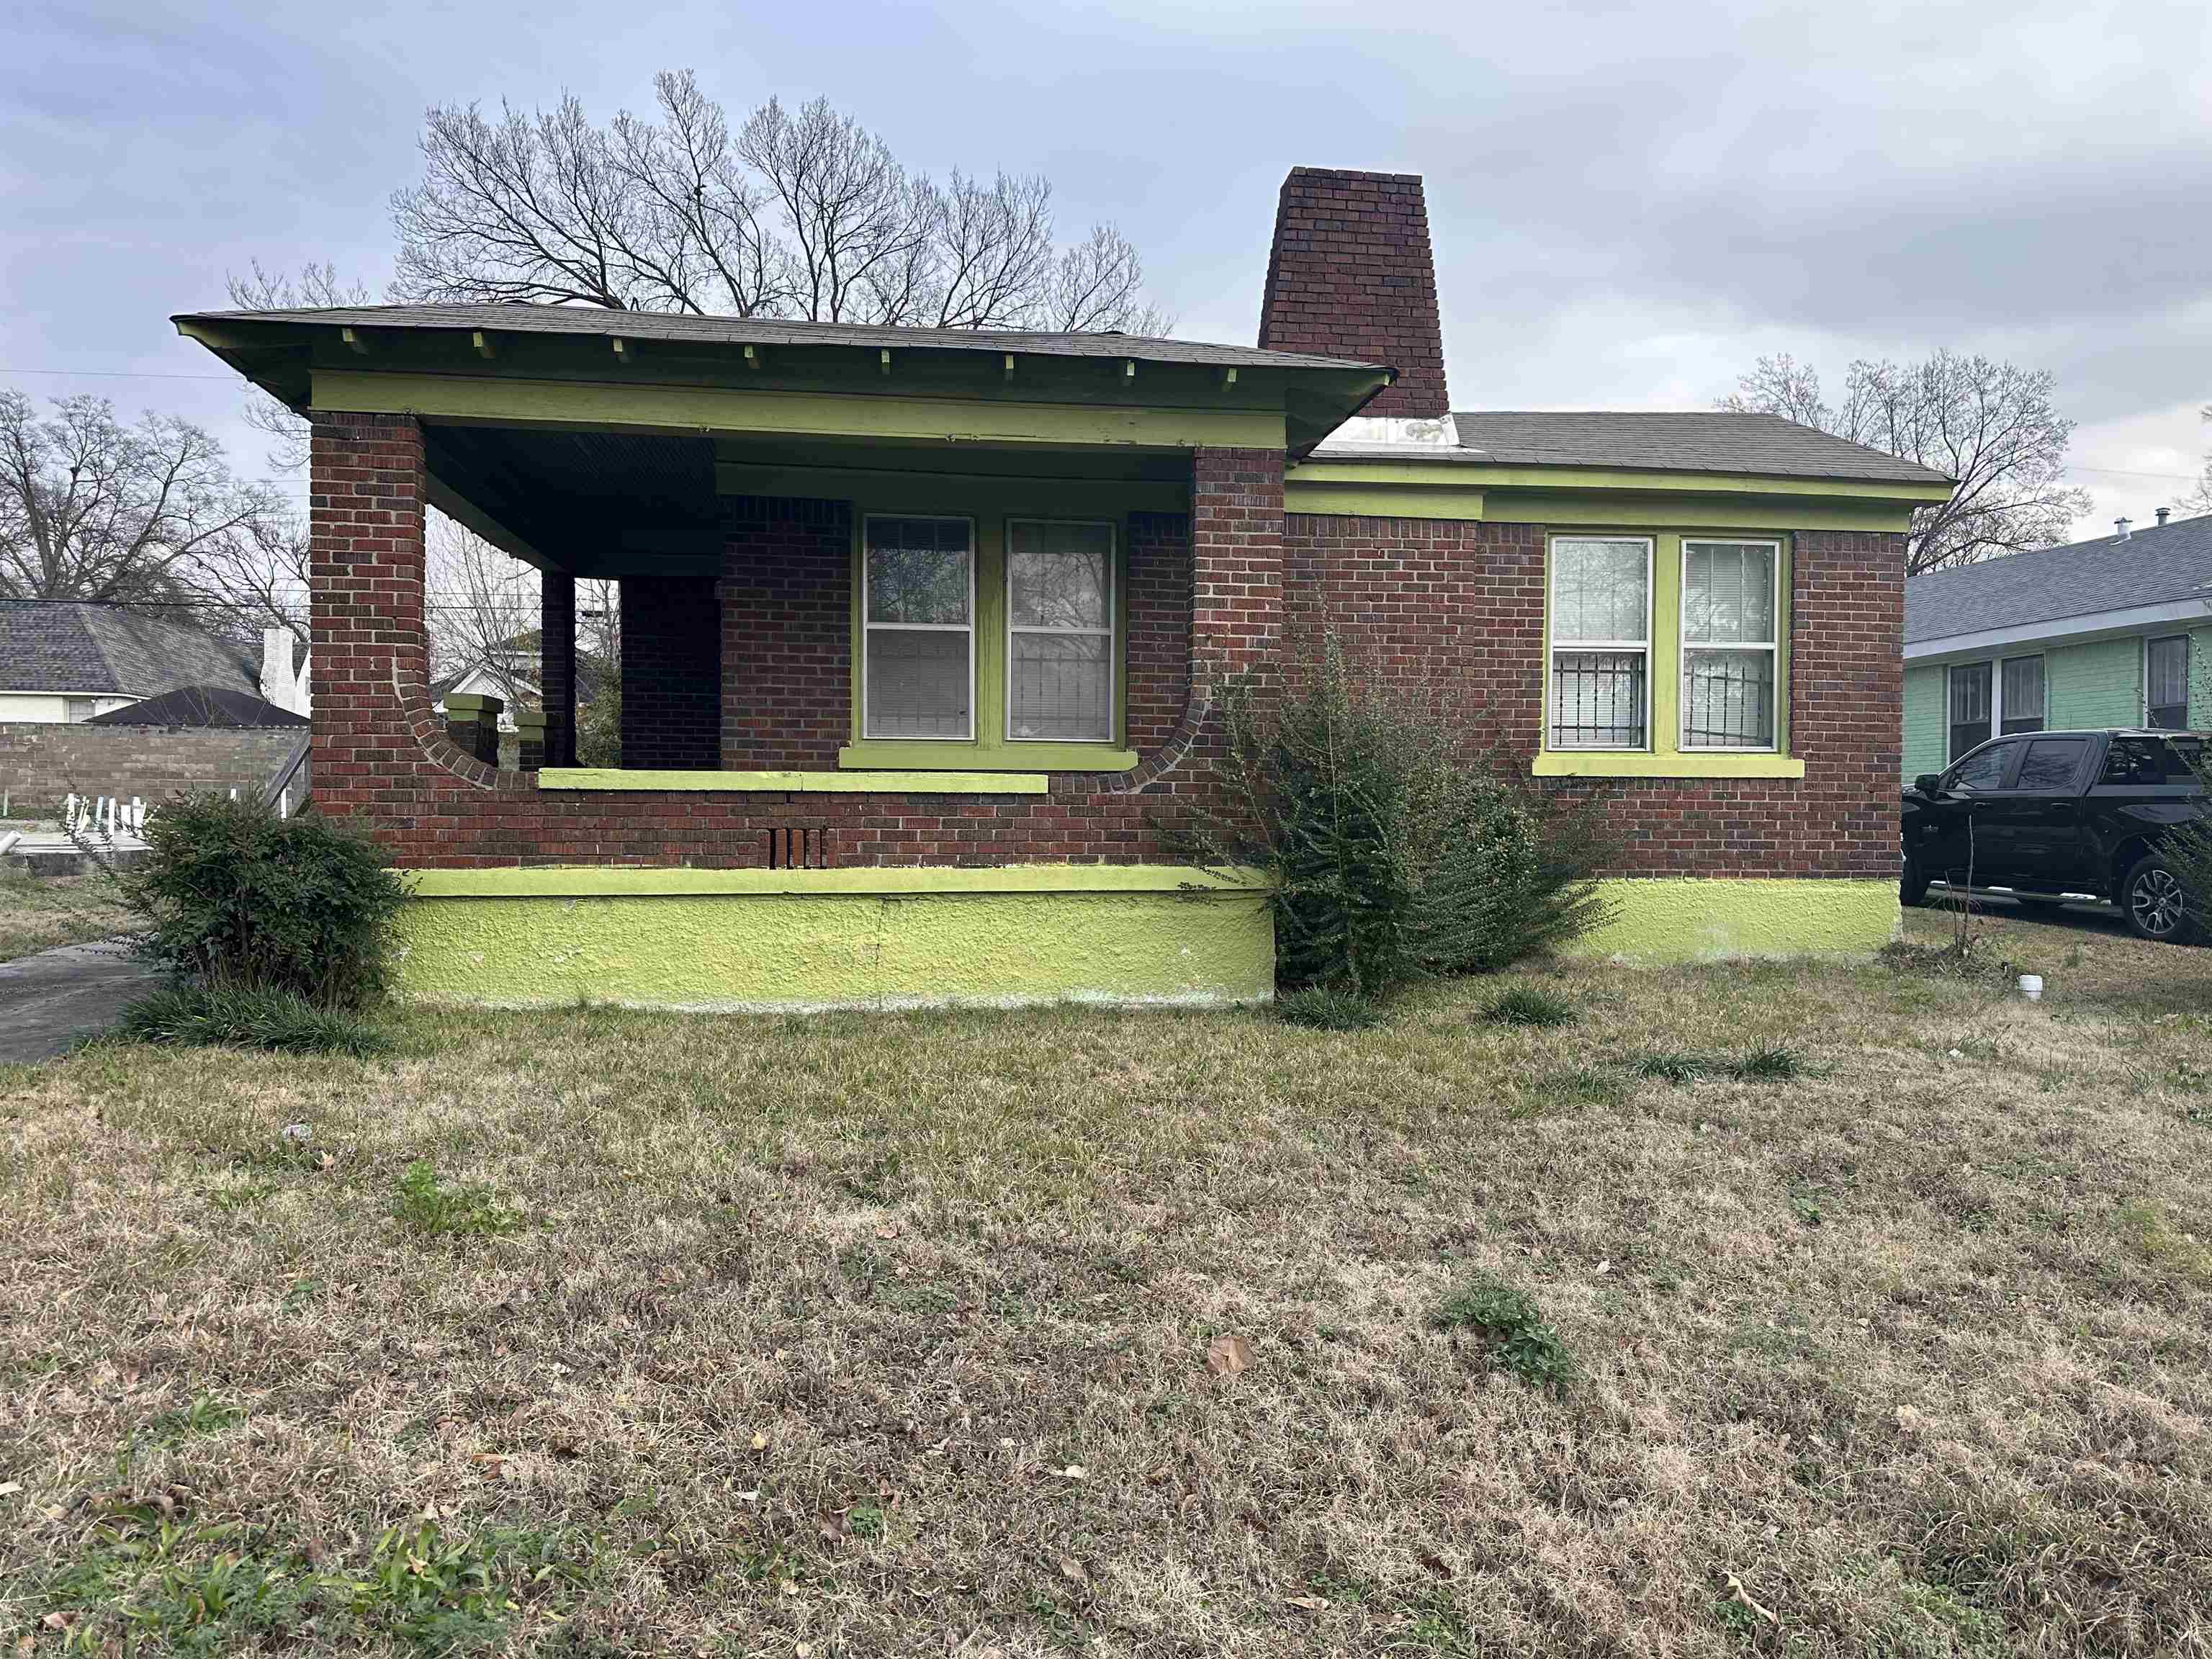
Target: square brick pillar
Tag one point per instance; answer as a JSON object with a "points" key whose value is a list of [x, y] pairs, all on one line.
{"points": [[529, 739], [557, 646], [371, 653], [472, 723], [1236, 562]]}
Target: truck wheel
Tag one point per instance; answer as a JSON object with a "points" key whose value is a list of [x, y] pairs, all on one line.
{"points": [[2156, 904], [1912, 885]]}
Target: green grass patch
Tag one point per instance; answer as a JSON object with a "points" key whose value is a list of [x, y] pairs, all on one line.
{"points": [[1516, 1335], [430, 1207], [1324, 1008], [188, 1015], [1528, 1005]]}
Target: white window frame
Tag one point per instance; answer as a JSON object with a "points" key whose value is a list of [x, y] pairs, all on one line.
{"points": [[1647, 646], [1684, 644], [1112, 630], [1997, 694], [2188, 650], [1996, 702], [868, 624]]}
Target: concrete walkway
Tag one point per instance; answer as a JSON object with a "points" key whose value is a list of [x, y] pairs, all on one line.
{"points": [[49, 1000]]}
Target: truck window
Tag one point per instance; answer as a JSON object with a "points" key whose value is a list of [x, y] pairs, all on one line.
{"points": [[2142, 763], [2052, 763], [1985, 768]]}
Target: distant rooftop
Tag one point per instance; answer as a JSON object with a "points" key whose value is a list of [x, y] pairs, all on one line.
{"points": [[2165, 564], [86, 649], [1697, 442]]}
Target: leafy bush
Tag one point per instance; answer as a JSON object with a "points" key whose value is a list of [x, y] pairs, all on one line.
{"points": [[1396, 847], [2189, 850], [1520, 1338], [235, 896], [1325, 1008], [225, 1012], [1528, 1005]]}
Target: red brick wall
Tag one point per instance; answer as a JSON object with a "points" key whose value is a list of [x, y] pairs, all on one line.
{"points": [[557, 611], [1351, 274], [1465, 601], [671, 646], [1237, 557], [1158, 659], [787, 612]]}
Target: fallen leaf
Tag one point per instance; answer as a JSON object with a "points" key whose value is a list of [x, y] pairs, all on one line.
{"points": [[59, 1621], [760, 1441], [886, 1232], [1228, 1354], [1072, 1570], [1737, 1592], [1075, 1472], [830, 1523], [1308, 1603], [9, 1488]]}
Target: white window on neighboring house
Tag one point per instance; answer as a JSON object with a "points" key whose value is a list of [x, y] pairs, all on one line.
{"points": [[1600, 626], [76, 709], [2020, 706], [1972, 710], [918, 662], [1060, 631], [2165, 682], [1730, 650]]}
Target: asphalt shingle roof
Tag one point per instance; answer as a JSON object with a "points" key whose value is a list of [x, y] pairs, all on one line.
{"points": [[1710, 441], [199, 707], [674, 327], [84, 649], [2162, 565]]}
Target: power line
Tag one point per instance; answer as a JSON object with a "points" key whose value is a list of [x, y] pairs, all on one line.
{"points": [[118, 375]]}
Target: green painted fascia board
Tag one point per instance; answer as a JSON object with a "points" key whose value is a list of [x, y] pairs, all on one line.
{"points": [[692, 409], [797, 783], [1749, 516], [1478, 475], [605, 881], [957, 492], [1383, 501], [1683, 763], [471, 702], [960, 757]]}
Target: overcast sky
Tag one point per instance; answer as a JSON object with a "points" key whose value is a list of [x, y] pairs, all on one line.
{"points": [[1631, 202]]}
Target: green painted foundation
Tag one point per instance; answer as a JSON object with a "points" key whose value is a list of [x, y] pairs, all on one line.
{"points": [[1660, 922], [795, 940]]}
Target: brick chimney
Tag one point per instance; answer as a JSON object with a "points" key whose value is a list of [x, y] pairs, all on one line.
{"points": [[1351, 276]]}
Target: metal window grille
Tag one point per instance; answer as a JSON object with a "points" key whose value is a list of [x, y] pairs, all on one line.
{"points": [[1727, 699], [1597, 699], [1731, 655], [798, 846]]}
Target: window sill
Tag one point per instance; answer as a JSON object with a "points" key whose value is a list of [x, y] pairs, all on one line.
{"points": [[968, 757], [798, 783], [1612, 763]]}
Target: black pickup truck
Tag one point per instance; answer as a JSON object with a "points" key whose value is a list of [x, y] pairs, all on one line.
{"points": [[2052, 815]]}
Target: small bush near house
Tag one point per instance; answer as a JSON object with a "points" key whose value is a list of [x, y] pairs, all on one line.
{"points": [[1324, 1008], [235, 896], [1520, 1338], [1526, 1005], [2189, 852], [232, 1015], [1396, 847]]}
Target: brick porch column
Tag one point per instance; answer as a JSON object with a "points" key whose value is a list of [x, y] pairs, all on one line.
{"points": [[557, 646], [1236, 562], [365, 484], [472, 722]]}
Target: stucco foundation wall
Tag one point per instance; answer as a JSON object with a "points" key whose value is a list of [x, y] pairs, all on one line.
{"points": [[1660, 922], [41, 763], [803, 950]]}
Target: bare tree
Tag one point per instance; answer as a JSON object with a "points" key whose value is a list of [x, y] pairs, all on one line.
{"points": [[93, 509], [312, 285], [790, 214], [2199, 498], [1989, 425], [482, 605]]}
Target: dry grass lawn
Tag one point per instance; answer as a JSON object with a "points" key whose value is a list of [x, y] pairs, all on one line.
{"points": [[858, 1335], [36, 913]]}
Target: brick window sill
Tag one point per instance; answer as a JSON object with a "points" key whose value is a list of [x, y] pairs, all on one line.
{"points": [[1603, 763]]}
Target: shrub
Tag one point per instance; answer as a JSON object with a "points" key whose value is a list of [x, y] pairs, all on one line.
{"points": [[1520, 1338], [1770, 1061], [230, 1014], [1528, 1005], [234, 894], [1325, 1008], [2189, 850], [1394, 846], [1672, 1066]]}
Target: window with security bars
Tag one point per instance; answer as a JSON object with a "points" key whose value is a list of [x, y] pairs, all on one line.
{"points": [[1970, 708], [1601, 643], [1060, 631], [2165, 682], [1730, 649], [918, 664], [2021, 708]]}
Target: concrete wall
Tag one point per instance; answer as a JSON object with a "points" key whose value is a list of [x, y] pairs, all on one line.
{"points": [[41, 763]]}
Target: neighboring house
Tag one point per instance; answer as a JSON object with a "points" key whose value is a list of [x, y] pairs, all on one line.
{"points": [[480, 681], [203, 708], [2116, 631], [68, 661], [924, 631]]}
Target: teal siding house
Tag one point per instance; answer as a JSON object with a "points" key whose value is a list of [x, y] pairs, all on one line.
{"points": [[2116, 631]]}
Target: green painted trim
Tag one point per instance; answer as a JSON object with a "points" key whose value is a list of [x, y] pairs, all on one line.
{"points": [[1460, 475], [802, 783], [958, 493], [1382, 501], [1681, 763], [954, 756], [788, 414], [764, 951], [1560, 509], [633, 881], [1664, 921], [529, 720], [473, 702]]}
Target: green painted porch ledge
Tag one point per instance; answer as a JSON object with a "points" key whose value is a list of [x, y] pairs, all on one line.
{"points": [[835, 783], [884, 758], [630, 881]]}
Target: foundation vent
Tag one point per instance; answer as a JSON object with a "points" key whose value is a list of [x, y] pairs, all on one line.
{"points": [[798, 846]]}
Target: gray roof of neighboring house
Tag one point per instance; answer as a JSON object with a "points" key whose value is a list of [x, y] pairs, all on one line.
{"points": [[1710, 441], [84, 649], [199, 707], [2165, 564], [771, 331]]}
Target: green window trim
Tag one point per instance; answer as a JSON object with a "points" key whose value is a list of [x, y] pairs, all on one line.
{"points": [[1663, 754], [989, 750]]}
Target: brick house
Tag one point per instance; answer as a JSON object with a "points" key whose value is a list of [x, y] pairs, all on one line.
{"points": [[922, 628]]}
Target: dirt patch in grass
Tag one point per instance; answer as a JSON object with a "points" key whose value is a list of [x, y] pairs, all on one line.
{"points": [[892, 1334], [39, 913]]}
